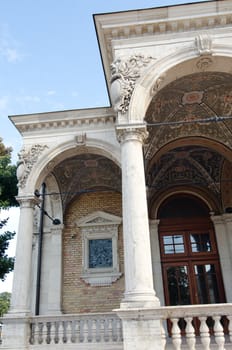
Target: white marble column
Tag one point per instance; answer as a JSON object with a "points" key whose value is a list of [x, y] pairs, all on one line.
{"points": [[141, 330], [16, 322], [139, 291], [20, 299]]}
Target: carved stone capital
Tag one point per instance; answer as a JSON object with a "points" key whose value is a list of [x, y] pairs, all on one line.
{"points": [[124, 74], [27, 158], [27, 201], [131, 133]]}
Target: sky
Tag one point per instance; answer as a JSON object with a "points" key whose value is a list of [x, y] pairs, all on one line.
{"points": [[50, 60]]}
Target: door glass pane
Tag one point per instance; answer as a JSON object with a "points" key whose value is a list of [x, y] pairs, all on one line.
{"points": [[178, 285], [173, 244], [200, 242], [207, 285]]}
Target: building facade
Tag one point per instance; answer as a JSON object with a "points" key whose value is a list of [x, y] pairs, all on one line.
{"points": [[125, 233]]}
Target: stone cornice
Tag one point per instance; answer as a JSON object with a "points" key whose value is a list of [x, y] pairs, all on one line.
{"points": [[146, 23], [61, 120]]}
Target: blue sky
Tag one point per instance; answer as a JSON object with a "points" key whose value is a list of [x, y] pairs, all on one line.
{"points": [[49, 60], [49, 57]]}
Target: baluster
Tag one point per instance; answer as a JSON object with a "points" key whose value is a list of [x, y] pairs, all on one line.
{"points": [[68, 332], [98, 330], [89, 331], [204, 333], [163, 334], [52, 331], [32, 333], [38, 339], [219, 333], [230, 327], [47, 332], [176, 336], [74, 331], [120, 330], [106, 330], [190, 334], [114, 329], [94, 330], [85, 330], [81, 331], [110, 329], [57, 332]]}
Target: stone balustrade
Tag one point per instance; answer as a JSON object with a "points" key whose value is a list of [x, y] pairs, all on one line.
{"points": [[183, 327], [74, 329]]}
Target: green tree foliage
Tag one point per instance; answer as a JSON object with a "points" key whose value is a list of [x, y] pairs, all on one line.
{"points": [[8, 191], [8, 179], [6, 262], [4, 303]]}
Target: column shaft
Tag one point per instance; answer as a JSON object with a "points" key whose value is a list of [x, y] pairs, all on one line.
{"points": [[20, 300], [138, 268]]}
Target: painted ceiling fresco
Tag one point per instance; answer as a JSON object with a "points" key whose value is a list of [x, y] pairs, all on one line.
{"points": [[86, 172], [187, 166], [193, 97]]}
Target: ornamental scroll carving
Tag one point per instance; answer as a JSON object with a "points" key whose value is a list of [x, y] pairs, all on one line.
{"points": [[124, 74], [27, 158], [203, 44]]}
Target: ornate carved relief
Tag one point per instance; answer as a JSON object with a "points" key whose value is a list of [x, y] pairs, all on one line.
{"points": [[27, 158], [132, 133], [204, 63], [124, 74]]}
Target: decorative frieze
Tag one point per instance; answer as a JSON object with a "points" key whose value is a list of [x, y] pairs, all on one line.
{"points": [[124, 74], [27, 158]]}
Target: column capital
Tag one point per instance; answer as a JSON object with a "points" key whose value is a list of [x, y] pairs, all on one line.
{"points": [[131, 132], [27, 201]]}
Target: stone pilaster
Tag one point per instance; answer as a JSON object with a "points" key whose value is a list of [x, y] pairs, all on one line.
{"points": [[156, 260], [139, 291], [221, 231]]}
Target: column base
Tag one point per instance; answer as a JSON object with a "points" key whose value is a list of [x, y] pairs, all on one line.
{"points": [[137, 300], [15, 332], [141, 329]]}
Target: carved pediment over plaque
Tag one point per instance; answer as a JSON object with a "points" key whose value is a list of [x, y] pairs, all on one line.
{"points": [[99, 218], [124, 74], [99, 248], [27, 159]]}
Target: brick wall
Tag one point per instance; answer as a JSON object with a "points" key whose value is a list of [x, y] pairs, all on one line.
{"points": [[78, 296]]}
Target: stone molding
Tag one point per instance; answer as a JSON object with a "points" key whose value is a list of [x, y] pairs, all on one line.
{"points": [[132, 133], [49, 124], [27, 159], [124, 74]]}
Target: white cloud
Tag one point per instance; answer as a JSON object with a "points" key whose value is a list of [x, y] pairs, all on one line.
{"points": [[28, 98], [9, 48], [4, 102], [51, 92], [75, 93]]}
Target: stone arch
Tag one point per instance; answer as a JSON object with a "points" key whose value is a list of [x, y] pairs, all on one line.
{"points": [[51, 157], [172, 67], [200, 194]]}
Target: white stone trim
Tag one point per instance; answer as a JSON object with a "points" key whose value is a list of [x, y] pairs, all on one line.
{"points": [[99, 225]]}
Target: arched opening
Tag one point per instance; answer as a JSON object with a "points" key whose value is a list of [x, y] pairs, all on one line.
{"points": [[189, 255]]}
